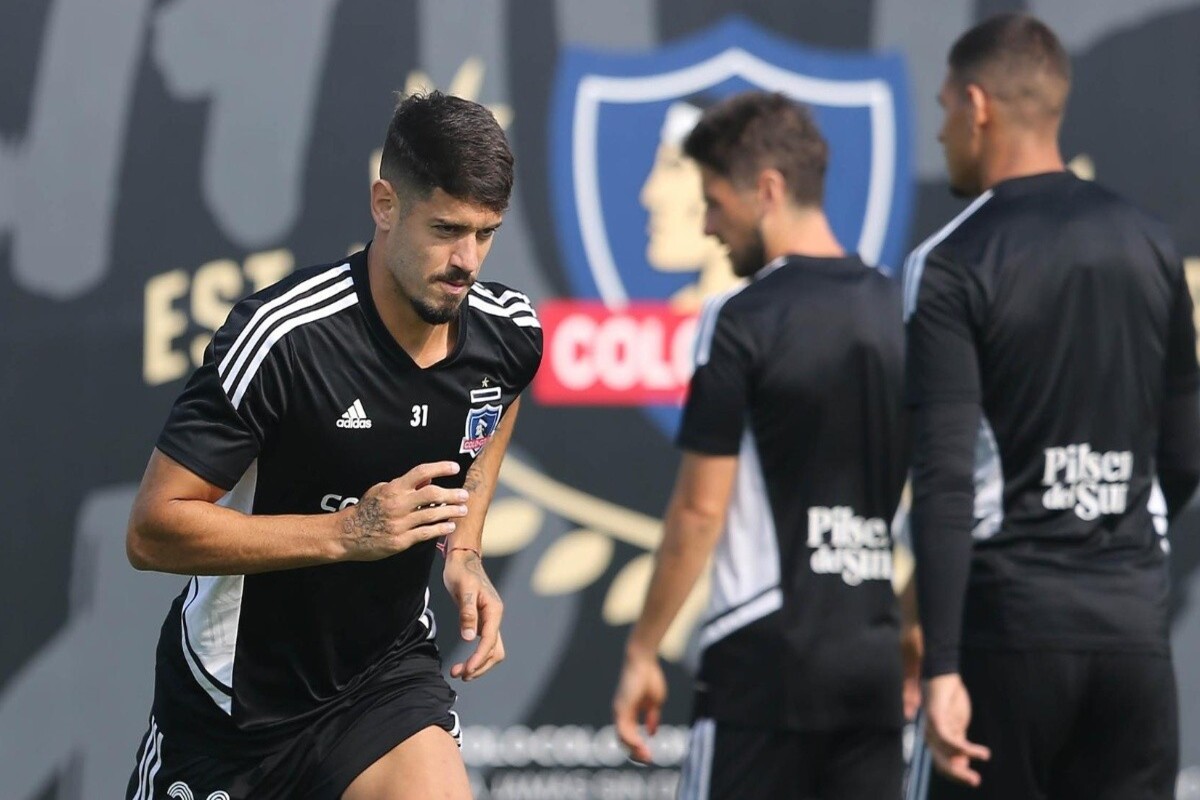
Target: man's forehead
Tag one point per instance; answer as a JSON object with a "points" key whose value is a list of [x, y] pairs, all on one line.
{"points": [[712, 181], [447, 207]]}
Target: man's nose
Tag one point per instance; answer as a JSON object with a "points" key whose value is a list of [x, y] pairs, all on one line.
{"points": [[466, 254]]}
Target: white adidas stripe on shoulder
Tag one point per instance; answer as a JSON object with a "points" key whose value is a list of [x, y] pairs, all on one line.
{"points": [[260, 318], [518, 309], [344, 302], [501, 311], [252, 347], [504, 299], [707, 325], [914, 265]]}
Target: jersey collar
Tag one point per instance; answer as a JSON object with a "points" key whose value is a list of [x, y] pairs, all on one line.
{"points": [[383, 337]]}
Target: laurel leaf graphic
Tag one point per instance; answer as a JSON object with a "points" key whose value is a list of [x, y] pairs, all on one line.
{"points": [[625, 596], [573, 562], [512, 523]]}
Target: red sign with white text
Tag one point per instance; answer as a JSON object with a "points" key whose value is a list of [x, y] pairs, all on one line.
{"points": [[634, 356]]}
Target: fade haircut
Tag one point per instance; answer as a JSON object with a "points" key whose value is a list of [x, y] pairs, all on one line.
{"points": [[744, 134], [438, 141], [1018, 59]]}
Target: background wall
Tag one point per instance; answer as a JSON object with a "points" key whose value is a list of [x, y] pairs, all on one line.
{"points": [[159, 160]]}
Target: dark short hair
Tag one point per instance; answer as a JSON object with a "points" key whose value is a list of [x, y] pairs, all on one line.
{"points": [[438, 141], [752, 131], [1012, 55]]}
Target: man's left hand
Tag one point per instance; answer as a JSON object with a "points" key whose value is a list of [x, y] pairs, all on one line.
{"points": [[479, 612]]}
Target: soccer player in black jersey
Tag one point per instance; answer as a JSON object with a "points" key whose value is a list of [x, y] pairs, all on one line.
{"points": [[1053, 379], [344, 421], [793, 463]]}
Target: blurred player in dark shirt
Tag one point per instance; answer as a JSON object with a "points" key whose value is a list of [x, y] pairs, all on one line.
{"points": [[1053, 380]]}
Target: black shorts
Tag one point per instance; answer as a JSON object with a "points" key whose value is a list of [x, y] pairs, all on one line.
{"points": [[726, 762], [318, 764], [1100, 726]]}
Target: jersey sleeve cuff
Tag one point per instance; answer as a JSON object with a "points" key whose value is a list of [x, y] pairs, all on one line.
{"points": [[215, 476], [939, 664], [709, 446]]}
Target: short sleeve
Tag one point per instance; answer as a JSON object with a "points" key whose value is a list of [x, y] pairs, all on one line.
{"points": [[233, 401], [532, 357], [942, 363], [714, 414], [518, 329]]}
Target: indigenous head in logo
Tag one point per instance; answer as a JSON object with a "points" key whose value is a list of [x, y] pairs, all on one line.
{"points": [[674, 201], [480, 425]]}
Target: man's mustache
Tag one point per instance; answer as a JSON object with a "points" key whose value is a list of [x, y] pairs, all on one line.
{"points": [[457, 275]]}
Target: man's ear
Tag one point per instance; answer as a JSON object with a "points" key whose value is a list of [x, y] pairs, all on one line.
{"points": [[385, 205], [771, 189], [981, 105]]}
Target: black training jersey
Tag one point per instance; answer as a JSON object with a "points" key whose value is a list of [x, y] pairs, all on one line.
{"points": [[1047, 324], [800, 375], [304, 402]]}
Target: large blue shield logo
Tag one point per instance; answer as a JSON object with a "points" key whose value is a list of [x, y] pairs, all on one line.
{"points": [[618, 118]]}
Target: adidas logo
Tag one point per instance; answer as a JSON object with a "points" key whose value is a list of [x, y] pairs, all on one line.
{"points": [[354, 417]]}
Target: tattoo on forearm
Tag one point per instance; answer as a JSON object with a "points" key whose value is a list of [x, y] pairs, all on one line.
{"points": [[367, 522], [475, 481]]}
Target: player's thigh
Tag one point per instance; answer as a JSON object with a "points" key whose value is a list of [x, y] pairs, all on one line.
{"points": [[734, 763], [1126, 743], [862, 764], [425, 766], [1022, 704]]}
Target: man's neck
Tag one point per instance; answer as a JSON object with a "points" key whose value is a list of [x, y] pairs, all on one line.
{"points": [[1020, 156], [801, 232], [426, 344]]}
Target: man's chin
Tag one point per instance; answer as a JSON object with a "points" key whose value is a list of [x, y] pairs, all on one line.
{"points": [[964, 189], [746, 265], [963, 193], [438, 314]]}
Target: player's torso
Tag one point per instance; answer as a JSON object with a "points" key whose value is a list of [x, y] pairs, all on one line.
{"points": [[1075, 305], [1072, 305], [349, 409], [360, 412], [826, 419], [359, 417]]}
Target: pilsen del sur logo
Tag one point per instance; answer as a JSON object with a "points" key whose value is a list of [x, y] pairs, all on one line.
{"points": [[630, 213]]}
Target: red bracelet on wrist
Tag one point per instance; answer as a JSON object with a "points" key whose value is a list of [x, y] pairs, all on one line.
{"points": [[446, 551]]}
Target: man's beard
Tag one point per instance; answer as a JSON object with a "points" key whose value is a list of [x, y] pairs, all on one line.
{"points": [[749, 259], [441, 314], [435, 315], [961, 193]]}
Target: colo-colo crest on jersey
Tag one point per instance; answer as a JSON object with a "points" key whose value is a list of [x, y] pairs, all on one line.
{"points": [[630, 213], [480, 425]]}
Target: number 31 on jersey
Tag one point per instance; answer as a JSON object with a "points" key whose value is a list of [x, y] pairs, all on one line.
{"points": [[420, 416]]}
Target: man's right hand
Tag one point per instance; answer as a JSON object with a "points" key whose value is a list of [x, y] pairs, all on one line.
{"points": [[948, 715], [641, 692], [393, 516]]}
